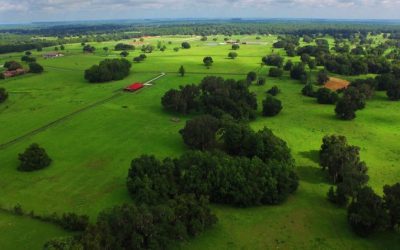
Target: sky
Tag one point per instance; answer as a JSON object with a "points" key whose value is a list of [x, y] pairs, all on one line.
{"points": [[18, 11]]}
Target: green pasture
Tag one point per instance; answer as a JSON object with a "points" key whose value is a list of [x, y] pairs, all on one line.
{"points": [[92, 150]]}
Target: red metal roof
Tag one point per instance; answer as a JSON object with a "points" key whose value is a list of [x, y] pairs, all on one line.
{"points": [[134, 86]]}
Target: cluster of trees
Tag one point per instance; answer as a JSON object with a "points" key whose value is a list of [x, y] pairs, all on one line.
{"points": [[3, 95], [12, 65], [123, 46], [108, 70], [26, 45], [34, 158], [147, 48], [87, 48], [367, 211], [273, 60], [214, 96], [140, 58], [143, 226]]}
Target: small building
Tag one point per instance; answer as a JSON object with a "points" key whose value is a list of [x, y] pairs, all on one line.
{"points": [[52, 55], [134, 87]]}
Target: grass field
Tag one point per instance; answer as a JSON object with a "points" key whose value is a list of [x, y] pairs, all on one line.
{"points": [[92, 150]]}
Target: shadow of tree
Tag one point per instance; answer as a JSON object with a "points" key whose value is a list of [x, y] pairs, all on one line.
{"points": [[312, 155], [313, 175]]}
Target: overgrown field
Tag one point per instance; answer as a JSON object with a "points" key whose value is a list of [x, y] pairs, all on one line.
{"points": [[92, 150]]}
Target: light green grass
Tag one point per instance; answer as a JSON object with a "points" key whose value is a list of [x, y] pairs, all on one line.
{"points": [[92, 151]]}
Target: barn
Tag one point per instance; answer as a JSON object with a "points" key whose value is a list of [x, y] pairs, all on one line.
{"points": [[134, 87]]}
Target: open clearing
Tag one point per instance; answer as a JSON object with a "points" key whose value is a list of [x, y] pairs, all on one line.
{"points": [[92, 150], [335, 83]]}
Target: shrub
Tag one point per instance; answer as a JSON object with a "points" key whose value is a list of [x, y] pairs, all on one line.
{"points": [[275, 72], [3, 95], [34, 158], [274, 91], [308, 90], [186, 45], [271, 106], [35, 68], [326, 96]]}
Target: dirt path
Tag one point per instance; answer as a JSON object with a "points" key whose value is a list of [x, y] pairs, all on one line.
{"points": [[117, 93]]}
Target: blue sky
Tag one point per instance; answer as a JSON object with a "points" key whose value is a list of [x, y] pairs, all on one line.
{"points": [[14, 11]]}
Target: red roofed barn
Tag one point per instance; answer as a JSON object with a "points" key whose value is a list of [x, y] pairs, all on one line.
{"points": [[134, 87]]}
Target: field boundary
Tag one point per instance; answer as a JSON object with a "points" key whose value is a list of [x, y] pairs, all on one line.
{"points": [[117, 92]]}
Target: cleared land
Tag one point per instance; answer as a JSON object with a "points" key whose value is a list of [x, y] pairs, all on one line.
{"points": [[92, 151], [335, 83]]}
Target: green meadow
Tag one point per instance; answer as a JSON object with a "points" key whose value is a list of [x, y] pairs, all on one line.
{"points": [[92, 150]]}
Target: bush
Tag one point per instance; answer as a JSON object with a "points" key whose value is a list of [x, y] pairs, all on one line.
{"points": [[3, 95], [275, 72], [34, 158], [108, 70], [271, 106], [393, 92], [274, 91], [186, 45], [326, 96], [308, 90], [232, 55], [35, 68]]}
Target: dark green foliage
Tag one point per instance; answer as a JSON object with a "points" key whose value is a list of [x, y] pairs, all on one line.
{"points": [[149, 227], [28, 59], [273, 60], [186, 45], [2, 76], [124, 53], [346, 109], [200, 132], [73, 222], [208, 61], [271, 106], [122, 46], [384, 81], [308, 90], [322, 77], [298, 72], [288, 65], [3, 95], [182, 71], [392, 203], [184, 100], [305, 58], [12, 65], [356, 96], [275, 72], [65, 243], [108, 70], [147, 48], [251, 76], [326, 96], [274, 91], [367, 214], [232, 55], [261, 81], [34, 158], [393, 92], [88, 48], [365, 86], [35, 68], [235, 46]]}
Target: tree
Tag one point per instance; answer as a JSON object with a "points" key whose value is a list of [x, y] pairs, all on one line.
{"points": [[308, 90], [88, 49], [232, 55], [28, 53], [35, 68], [271, 106], [346, 109], [200, 132], [235, 46], [275, 72], [251, 76], [326, 96], [124, 53], [183, 100], [288, 66], [367, 214], [3, 95], [274, 91], [186, 45], [393, 92], [28, 59], [12, 65], [322, 77], [34, 158], [298, 72], [62, 47], [273, 60], [392, 203], [261, 81], [208, 61], [182, 71]]}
